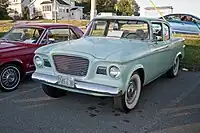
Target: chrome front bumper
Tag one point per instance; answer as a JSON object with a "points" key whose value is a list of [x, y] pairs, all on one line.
{"points": [[80, 86]]}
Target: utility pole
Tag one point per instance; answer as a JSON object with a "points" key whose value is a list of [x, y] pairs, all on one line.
{"points": [[93, 10], [55, 11]]}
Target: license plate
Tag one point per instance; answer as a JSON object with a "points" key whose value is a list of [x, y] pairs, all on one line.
{"points": [[66, 81]]}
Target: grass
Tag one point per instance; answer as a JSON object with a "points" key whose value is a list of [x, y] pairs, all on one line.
{"points": [[192, 42], [192, 52]]}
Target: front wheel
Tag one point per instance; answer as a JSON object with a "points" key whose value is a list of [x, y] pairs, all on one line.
{"points": [[53, 92], [173, 72], [9, 77], [130, 98]]}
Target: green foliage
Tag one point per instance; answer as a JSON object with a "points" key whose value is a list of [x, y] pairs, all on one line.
{"points": [[128, 7], [136, 8], [3, 14], [85, 4], [4, 3], [3, 9], [105, 6], [125, 7], [101, 5]]}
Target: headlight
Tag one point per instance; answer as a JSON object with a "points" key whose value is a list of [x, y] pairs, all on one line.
{"points": [[38, 61], [114, 72]]}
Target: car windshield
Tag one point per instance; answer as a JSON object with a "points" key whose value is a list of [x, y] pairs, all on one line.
{"points": [[24, 34], [128, 29]]}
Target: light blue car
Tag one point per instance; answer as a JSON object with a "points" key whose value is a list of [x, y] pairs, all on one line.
{"points": [[116, 57], [184, 23]]}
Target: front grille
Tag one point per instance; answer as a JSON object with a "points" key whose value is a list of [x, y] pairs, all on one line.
{"points": [[71, 65]]}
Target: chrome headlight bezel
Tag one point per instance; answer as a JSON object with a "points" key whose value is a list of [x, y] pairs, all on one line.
{"points": [[39, 62], [114, 72]]}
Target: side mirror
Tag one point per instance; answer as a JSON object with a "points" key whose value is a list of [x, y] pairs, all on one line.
{"points": [[194, 21]]}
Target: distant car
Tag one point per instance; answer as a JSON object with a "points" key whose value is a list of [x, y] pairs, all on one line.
{"points": [[106, 14], [116, 57], [17, 49], [183, 23]]}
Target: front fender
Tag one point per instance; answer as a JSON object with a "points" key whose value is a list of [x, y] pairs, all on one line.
{"points": [[129, 72], [10, 60]]}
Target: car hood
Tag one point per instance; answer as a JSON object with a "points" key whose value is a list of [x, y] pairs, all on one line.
{"points": [[9, 46], [98, 47]]}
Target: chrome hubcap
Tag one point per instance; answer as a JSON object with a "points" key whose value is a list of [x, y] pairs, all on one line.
{"points": [[9, 78], [131, 92]]}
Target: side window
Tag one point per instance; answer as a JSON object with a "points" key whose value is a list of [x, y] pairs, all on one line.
{"points": [[98, 28], [173, 17], [157, 31], [188, 18], [59, 35], [24, 34], [166, 32]]}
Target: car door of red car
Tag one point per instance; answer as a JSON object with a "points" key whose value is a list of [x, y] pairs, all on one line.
{"points": [[31, 47], [29, 55]]}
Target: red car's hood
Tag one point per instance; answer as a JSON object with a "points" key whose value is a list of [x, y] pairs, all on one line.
{"points": [[6, 46]]}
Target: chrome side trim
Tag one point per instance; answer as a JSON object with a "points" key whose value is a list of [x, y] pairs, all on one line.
{"points": [[30, 72], [79, 85], [159, 49]]}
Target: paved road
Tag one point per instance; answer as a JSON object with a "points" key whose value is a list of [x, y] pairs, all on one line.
{"points": [[166, 106]]}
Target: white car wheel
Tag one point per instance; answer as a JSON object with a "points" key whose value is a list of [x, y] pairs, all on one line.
{"points": [[129, 100], [176, 66], [133, 92], [173, 72]]}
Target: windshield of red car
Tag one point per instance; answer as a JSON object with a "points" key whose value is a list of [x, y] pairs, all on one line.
{"points": [[127, 29], [24, 34]]}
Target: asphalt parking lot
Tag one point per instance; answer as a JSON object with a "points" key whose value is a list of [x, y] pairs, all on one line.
{"points": [[166, 106]]}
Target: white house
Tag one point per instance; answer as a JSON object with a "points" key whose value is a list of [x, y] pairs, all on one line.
{"points": [[16, 7], [65, 9]]}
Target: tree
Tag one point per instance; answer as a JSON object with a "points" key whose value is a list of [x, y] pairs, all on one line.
{"points": [[101, 5], [25, 12], [136, 8], [128, 7], [85, 4], [3, 9], [125, 7], [105, 5]]}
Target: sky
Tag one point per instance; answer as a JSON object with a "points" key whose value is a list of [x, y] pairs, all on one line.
{"points": [[180, 6]]}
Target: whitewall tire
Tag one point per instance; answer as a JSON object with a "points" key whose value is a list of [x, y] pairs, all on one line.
{"points": [[173, 72], [130, 98]]}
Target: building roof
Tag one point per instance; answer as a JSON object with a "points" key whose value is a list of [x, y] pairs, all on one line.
{"points": [[161, 7], [62, 2], [46, 2], [59, 1]]}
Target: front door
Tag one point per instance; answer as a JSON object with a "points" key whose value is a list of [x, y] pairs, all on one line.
{"points": [[162, 48]]}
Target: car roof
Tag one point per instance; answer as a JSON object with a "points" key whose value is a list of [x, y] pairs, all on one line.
{"points": [[147, 19], [182, 14], [44, 25]]}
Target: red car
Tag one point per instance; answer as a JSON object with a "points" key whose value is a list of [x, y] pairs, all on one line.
{"points": [[17, 49]]}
